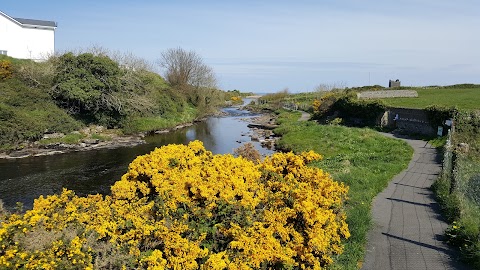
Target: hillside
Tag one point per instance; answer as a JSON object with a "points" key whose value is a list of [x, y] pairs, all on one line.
{"points": [[72, 91], [26, 113]]}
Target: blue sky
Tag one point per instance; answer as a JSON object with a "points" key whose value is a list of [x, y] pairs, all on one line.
{"points": [[266, 46]]}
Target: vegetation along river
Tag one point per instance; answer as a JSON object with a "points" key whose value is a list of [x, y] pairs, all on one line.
{"points": [[91, 172]]}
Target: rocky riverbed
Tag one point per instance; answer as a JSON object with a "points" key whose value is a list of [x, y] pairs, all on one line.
{"points": [[261, 130], [100, 139]]}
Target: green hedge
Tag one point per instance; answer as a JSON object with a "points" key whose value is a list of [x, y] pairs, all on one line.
{"points": [[353, 111], [437, 114]]}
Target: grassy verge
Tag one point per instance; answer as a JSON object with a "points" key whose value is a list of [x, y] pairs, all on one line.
{"points": [[361, 158], [462, 209], [438, 142], [458, 188], [145, 124]]}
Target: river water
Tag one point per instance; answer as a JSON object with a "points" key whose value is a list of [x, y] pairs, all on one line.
{"points": [[92, 172]]}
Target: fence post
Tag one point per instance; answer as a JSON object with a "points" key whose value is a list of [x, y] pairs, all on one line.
{"points": [[448, 163], [453, 174]]}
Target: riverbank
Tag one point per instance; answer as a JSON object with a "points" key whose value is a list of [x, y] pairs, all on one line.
{"points": [[89, 138], [36, 150], [97, 137]]}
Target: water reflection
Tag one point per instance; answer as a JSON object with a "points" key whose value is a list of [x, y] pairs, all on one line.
{"points": [[93, 172]]}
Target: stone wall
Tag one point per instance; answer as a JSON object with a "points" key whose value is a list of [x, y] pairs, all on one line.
{"points": [[387, 94], [412, 121]]}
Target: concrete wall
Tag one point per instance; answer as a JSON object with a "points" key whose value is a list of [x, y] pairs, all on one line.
{"points": [[26, 42], [412, 121]]}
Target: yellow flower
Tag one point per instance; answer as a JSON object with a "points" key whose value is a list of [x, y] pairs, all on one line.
{"points": [[181, 205]]}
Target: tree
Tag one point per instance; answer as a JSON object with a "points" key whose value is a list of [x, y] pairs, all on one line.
{"points": [[186, 72], [186, 68]]}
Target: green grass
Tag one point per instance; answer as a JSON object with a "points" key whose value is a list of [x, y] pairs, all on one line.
{"points": [[463, 98], [361, 158], [438, 142], [462, 209], [461, 204], [146, 124]]}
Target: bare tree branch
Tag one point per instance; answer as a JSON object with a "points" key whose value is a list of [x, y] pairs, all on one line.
{"points": [[186, 68]]}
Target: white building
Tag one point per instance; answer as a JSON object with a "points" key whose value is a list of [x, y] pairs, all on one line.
{"points": [[26, 38]]}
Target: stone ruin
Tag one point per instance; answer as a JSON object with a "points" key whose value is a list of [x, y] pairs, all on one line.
{"points": [[393, 83]]}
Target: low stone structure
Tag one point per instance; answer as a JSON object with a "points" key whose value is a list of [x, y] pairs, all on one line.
{"points": [[393, 83], [387, 94], [412, 121]]}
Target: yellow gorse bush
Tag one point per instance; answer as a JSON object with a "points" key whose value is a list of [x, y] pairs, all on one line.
{"points": [[5, 69], [236, 100], [181, 207], [325, 102]]}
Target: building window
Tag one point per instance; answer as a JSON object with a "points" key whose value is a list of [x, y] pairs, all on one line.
{"points": [[3, 52]]}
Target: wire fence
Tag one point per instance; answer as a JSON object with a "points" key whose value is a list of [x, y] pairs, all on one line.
{"points": [[447, 171], [461, 164]]}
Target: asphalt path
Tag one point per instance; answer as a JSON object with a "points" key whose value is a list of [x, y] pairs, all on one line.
{"points": [[408, 228]]}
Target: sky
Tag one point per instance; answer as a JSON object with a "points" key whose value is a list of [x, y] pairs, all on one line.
{"points": [[269, 45]]}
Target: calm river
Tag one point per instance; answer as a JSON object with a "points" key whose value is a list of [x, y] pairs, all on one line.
{"points": [[91, 172]]}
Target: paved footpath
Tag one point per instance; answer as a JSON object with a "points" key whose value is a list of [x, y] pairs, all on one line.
{"points": [[305, 116], [408, 229]]}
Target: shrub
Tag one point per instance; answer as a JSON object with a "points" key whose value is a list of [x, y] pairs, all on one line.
{"points": [[5, 69], [274, 100], [180, 207], [236, 100], [346, 105], [249, 152], [438, 114], [87, 85], [323, 106], [26, 113], [351, 107], [38, 75]]}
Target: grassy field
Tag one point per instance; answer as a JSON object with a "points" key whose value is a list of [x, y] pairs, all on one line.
{"points": [[361, 158], [463, 98]]}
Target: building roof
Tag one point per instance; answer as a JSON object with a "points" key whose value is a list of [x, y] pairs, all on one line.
{"points": [[35, 22], [30, 22]]}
